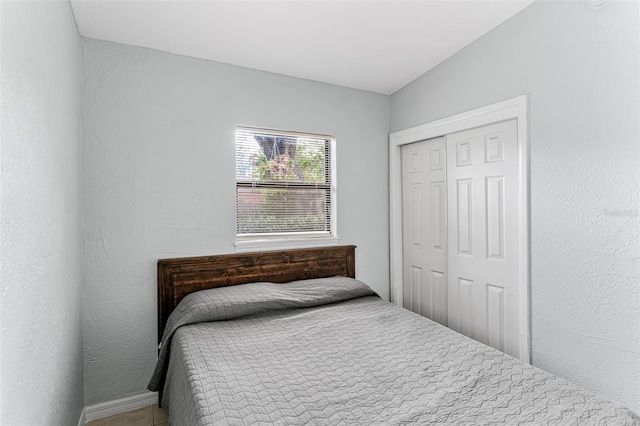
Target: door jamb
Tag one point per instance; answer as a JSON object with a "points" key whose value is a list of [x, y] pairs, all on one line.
{"points": [[501, 111]]}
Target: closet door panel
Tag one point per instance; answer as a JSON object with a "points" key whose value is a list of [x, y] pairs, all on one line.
{"points": [[424, 228], [482, 177]]}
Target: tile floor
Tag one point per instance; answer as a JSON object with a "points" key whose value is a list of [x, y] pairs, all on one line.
{"points": [[147, 416]]}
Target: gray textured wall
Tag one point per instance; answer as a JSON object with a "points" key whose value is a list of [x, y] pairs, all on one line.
{"points": [[159, 181], [40, 240], [580, 67]]}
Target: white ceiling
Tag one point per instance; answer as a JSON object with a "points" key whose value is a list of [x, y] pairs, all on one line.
{"points": [[378, 46]]}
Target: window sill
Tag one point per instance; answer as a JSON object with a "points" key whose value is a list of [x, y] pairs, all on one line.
{"points": [[284, 243]]}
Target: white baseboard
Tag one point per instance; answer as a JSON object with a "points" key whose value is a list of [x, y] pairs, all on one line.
{"points": [[83, 418], [119, 406]]}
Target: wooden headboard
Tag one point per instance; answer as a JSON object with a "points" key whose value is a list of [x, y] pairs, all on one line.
{"points": [[181, 276]]}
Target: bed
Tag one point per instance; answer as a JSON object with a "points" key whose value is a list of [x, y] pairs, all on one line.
{"points": [[291, 337]]}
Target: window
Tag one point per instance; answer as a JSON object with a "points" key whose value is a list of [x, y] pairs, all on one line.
{"points": [[284, 185]]}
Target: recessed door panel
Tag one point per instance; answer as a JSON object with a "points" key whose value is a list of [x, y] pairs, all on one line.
{"points": [[438, 211], [439, 307], [465, 302], [416, 214], [495, 217], [495, 317], [464, 215]]}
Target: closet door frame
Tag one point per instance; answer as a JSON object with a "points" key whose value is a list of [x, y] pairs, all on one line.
{"points": [[501, 111]]}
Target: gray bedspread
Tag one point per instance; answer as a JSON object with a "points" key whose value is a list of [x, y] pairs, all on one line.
{"points": [[330, 352]]}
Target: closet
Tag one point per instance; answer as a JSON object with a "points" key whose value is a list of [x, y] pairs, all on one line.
{"points": [[460, 233]]}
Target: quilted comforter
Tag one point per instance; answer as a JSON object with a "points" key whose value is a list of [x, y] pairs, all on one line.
{"points": [[329, 352]]}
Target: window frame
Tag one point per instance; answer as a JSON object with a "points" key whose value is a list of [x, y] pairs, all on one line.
{"points": [[293, 240]]}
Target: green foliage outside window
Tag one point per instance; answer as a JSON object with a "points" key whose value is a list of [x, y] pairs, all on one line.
{"points": [[302, 164]]}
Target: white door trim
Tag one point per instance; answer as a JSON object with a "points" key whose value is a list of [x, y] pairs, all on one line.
{"points": [[505, 110]]}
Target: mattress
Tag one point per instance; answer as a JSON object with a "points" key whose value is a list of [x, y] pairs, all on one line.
{"points": [[330, 352]]}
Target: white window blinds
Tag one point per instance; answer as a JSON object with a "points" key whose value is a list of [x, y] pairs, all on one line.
{"points": [[283, 183]]}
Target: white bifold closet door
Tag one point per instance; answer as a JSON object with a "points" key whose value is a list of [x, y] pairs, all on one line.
{"points": [[424, 231], [460, 233]]}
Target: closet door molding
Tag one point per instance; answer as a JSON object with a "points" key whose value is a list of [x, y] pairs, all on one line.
{"points": [[501, 111]]}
